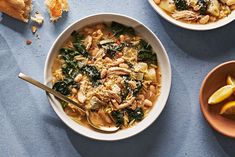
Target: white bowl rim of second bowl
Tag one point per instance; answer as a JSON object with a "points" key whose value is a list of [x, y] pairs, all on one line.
{"points": [[97, 135], [196, 27]]}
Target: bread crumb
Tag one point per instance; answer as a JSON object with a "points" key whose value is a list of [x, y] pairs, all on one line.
{"points": [[56, 8], [38, 18], [34, 29], [28, 42], [37, 36]]}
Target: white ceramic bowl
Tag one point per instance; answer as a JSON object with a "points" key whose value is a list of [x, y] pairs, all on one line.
{"points": [[198, 27], [163, 63]]}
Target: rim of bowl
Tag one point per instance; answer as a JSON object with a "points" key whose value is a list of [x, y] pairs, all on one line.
{"points": [[164, 101], [203, 110], [196, 27]]}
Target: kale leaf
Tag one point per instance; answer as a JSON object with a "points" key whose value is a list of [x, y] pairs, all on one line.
{"points": [[81, 49], [77, 36], [136, 114], [145, 53], [118, 117], [112, 48], [145, 45], [147, 57], [78, 44], [128, 90], [138, 88], [203, 6], [181, 4], [62, 87], [119, 29], [92, 73]]}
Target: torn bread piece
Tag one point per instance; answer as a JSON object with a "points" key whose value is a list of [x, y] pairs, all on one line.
{"points": [[19, 9], [56, 8]]}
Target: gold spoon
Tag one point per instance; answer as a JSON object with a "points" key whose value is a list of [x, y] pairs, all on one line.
{"points": [[66, 99]]}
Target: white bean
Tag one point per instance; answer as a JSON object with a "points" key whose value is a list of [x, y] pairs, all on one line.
{"points": [[78, 78], [141, 97], [204, 19], [148, 103], [74, 90], [122, 38], [103, 73], [107, 60], [123, 65], [230, 2]]}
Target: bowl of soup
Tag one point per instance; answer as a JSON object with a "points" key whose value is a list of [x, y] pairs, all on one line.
{"points": [[116, 68], [196, 14]]}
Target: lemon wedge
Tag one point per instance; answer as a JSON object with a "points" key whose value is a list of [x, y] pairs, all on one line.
{"points": [[221, 94], [230, 80], [228, 108]]}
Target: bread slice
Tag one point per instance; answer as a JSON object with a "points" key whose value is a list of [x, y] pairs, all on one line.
{"points": [[56, 8], [19, 9]]}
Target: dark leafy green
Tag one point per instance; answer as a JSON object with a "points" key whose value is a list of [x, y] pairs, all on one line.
{"points": [[119, 29], [77, 36], [118, 117], [138, 88], [78, 44], [181, 4], [68, 54], [92, 73], [145, 53], [81, 49], [145, 45], [63, 104], [65, 85], [203, 7], [136, 114], [128, 90], [62, 87], [70, 68], [147, 56], [113, 48]]}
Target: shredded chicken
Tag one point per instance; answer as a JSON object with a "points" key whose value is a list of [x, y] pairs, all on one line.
{"points": [[88, 42], [185, 15], [118, 71], [123, 105]]}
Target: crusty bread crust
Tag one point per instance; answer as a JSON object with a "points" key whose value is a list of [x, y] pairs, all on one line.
{"points": [[56, 8], [19, 9]]}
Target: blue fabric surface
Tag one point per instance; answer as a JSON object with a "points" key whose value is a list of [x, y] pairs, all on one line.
{"points": [[29, 126]]}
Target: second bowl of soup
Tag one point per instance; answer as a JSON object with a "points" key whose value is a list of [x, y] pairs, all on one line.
{"points": [[196, 14]]}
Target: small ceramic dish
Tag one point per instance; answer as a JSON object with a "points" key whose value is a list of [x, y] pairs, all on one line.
{"points": [[198, 27], [212, 82], [163, 62]]}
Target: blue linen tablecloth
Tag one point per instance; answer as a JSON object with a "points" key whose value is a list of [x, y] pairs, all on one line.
{"points": [[30, 128]]}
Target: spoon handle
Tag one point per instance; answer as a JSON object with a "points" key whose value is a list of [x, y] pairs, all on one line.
{"points": [[49, 90]]}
